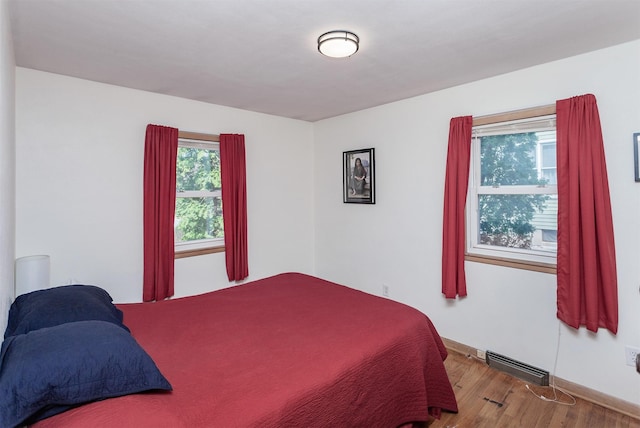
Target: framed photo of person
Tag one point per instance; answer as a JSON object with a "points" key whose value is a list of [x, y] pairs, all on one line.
{"points": [[359, 177]]}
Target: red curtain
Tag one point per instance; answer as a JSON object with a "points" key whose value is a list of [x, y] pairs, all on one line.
{"points": [[160, 152], [455, 197], [587, 281], [234, 205]]}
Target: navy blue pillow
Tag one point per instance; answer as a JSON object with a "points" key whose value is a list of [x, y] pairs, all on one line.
{"points": [[59, 305], [50, 370]]}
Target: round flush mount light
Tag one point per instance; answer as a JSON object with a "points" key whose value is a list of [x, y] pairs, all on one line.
{"points": [[338, 44]]}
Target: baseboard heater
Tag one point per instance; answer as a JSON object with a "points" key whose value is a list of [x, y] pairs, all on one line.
{"points": [[516, 368]]}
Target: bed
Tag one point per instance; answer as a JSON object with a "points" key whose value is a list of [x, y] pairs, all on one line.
{"points": [[287, 351]]}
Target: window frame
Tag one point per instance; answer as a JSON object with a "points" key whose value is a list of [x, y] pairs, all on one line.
{"points": [[514, 258], [203, 246]]}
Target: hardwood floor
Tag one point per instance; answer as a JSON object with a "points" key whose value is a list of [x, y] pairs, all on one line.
{"points": [[490, 398]]}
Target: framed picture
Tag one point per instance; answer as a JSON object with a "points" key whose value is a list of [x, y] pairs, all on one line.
{"points": [[359, 177], [636, 158]]}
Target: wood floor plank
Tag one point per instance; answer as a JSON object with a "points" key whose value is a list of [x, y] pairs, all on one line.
{"points": [[490, 398]]}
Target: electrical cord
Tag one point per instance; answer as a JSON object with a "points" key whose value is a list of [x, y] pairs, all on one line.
{"points": [[553, 381]]}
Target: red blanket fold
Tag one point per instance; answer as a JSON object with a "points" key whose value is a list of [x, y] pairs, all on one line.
{"points": [[290, 350]]}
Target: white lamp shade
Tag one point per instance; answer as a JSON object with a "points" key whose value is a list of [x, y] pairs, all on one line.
{"points": [[338, 44], [32, 273]]}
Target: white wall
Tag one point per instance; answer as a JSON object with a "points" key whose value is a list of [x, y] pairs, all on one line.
{"points": [[397, 241], [79, 150], [7, 165]]}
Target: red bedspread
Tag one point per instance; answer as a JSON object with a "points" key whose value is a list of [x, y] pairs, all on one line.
{"points": [[286, 351]]}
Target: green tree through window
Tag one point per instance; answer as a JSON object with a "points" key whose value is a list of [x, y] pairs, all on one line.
{"points": [[508, 160], [198, 193]]}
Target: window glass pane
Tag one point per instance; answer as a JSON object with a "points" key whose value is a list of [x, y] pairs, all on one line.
{"points": [[516, 221], [548, 163], [198, 218], [549, 155], [549, 235], [197, 169], [508, 159], [550, 176]]}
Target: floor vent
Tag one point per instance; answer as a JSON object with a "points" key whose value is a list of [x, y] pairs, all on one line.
{"points": [[516, 368]]}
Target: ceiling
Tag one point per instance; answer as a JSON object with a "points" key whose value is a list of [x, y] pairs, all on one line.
{"points": [[261, 55]]}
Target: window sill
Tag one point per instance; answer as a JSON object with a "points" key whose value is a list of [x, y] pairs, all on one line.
{"points": [[198, 252], [516, 264]]}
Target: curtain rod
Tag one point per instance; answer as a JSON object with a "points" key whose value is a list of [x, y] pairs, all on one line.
{"points": [[515, 115]]}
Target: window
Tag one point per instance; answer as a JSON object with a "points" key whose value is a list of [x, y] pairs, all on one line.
{"points": [[512, 202], [198, 221]]}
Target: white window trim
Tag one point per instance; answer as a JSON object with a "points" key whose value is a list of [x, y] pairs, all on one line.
{"points": [[475, 189], [201, 243]]}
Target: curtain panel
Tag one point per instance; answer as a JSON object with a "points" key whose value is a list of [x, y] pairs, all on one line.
{"points": [[234, 205], [455, 197], [160, 153], [587, 292]]}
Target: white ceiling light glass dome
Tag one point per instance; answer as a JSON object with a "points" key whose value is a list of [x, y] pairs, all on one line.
{"points": [[338, 44]]}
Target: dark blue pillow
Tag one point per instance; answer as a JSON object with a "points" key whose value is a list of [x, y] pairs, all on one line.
{"points": [[59, 305], [50, 370]]}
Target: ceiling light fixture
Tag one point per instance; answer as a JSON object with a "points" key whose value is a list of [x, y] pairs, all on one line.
{"points": [[338, 44]]}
